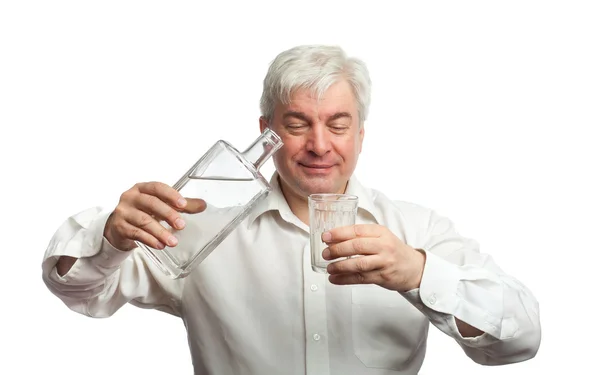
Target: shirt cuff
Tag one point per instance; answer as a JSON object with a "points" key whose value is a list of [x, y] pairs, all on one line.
{"points": [[82, 237], [439, 284], [109, 256], [90, 269], [439, 297]]}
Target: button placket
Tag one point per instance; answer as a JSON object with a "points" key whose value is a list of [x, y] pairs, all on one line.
{"points": [[315, 315]]}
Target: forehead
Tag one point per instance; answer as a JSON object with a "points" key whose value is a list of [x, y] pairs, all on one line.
{"points": [[339, 97]]}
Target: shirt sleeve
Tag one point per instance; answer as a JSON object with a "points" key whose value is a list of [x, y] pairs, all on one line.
{"points": [[103, 279], [460, 282]]}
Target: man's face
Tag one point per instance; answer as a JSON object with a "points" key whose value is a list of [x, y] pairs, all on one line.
{"points": [[321, 141]]}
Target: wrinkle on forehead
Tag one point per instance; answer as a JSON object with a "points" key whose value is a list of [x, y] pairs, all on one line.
{"points": [[338, 98]]}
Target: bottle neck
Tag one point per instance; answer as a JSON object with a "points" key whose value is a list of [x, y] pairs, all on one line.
{"points": [[262, 148]]}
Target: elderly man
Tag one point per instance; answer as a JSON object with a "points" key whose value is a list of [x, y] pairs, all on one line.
{"points": [[370, 315]]}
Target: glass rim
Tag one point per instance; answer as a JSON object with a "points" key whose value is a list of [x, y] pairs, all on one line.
{"points": [[332, 197]]}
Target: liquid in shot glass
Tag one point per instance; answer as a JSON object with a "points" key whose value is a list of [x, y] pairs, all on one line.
{"points": [[328, 211]]}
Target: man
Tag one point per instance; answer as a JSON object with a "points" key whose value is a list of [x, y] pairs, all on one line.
{"points": [[255, 306]]}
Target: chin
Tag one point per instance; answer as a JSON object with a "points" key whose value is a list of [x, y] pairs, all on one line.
{"points": [[317, 187]]}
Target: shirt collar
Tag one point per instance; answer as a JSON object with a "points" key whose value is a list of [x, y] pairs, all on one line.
{"points": [[275, 201]]}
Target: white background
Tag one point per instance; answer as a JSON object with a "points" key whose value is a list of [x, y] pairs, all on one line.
{"points": [[484, 111]]}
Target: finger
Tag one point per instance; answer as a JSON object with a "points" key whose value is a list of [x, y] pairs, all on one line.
{"points": [[163, 192], [349, 232], [172, 197], [147, 223], [194, 205], [159, 209], [138, 234], [357, 246], [371, 277], [356, 265]]}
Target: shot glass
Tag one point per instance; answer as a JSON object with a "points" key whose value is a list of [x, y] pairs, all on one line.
{"points": [[328, 211]]}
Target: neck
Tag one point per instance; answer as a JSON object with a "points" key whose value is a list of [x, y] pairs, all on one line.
{"points": [[298, 203]]}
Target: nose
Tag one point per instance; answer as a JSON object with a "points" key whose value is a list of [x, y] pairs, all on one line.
{"points": [[318, 141]]}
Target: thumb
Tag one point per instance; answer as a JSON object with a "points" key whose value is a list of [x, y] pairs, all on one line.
{"points": [[194, 205]]}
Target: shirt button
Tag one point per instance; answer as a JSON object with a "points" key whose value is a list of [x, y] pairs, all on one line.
{"points": [[432, 299], [316, 337], [314, 288]]}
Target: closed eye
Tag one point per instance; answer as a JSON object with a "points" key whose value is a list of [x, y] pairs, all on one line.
{"points": [[296, 128], [339, 128]]}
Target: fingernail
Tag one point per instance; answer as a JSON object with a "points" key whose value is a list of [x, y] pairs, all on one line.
{"points": [[181, 202], [172, 241], [326, 253], [160, 246], [179, 223], [326, 237]]}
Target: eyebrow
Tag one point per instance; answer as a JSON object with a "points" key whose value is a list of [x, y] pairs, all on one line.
{"points": [[303, 117], [298, 115], [340, 115]]}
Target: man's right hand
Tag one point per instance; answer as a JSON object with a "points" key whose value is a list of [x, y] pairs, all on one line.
{"points": [[139, 211]]}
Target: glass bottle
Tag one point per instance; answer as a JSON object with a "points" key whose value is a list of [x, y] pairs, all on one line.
{"points": [[230, 183]]}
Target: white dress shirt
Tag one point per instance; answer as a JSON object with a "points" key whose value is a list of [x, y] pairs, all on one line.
{"points": [[255, 306]]}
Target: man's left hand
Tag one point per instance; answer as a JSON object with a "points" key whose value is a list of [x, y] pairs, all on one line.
{"points": [[383, 259]]}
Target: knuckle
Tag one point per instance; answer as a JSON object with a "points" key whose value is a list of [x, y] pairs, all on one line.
{"points": [[360, 278], [119, 211], [149, 202], [149, 187], [359, 245], [135, 234], [158, 186], [388, 258], [362, 264], [387, 275], [136, 188], [124, 196], [129, 195], [120, 227], [145, 220]]}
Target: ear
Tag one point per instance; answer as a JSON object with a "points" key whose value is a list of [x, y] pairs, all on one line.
{"points": [[361, 136], [263, 123]]}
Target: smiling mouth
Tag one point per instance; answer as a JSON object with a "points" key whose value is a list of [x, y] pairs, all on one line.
{"points": [[316, 166]]}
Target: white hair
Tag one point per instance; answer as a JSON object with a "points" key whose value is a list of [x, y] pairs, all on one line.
{"points": [[314, 67]]}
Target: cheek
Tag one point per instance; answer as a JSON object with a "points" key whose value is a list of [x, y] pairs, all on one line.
{"points": [[283, 157], [290, 148], [348, 148]]}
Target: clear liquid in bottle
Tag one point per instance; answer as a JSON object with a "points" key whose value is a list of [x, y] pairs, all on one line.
{"points": [[231, 184]]}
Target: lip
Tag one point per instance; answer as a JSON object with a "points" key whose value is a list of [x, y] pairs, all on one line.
{"points": [[317, 166], [317, 169]]}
